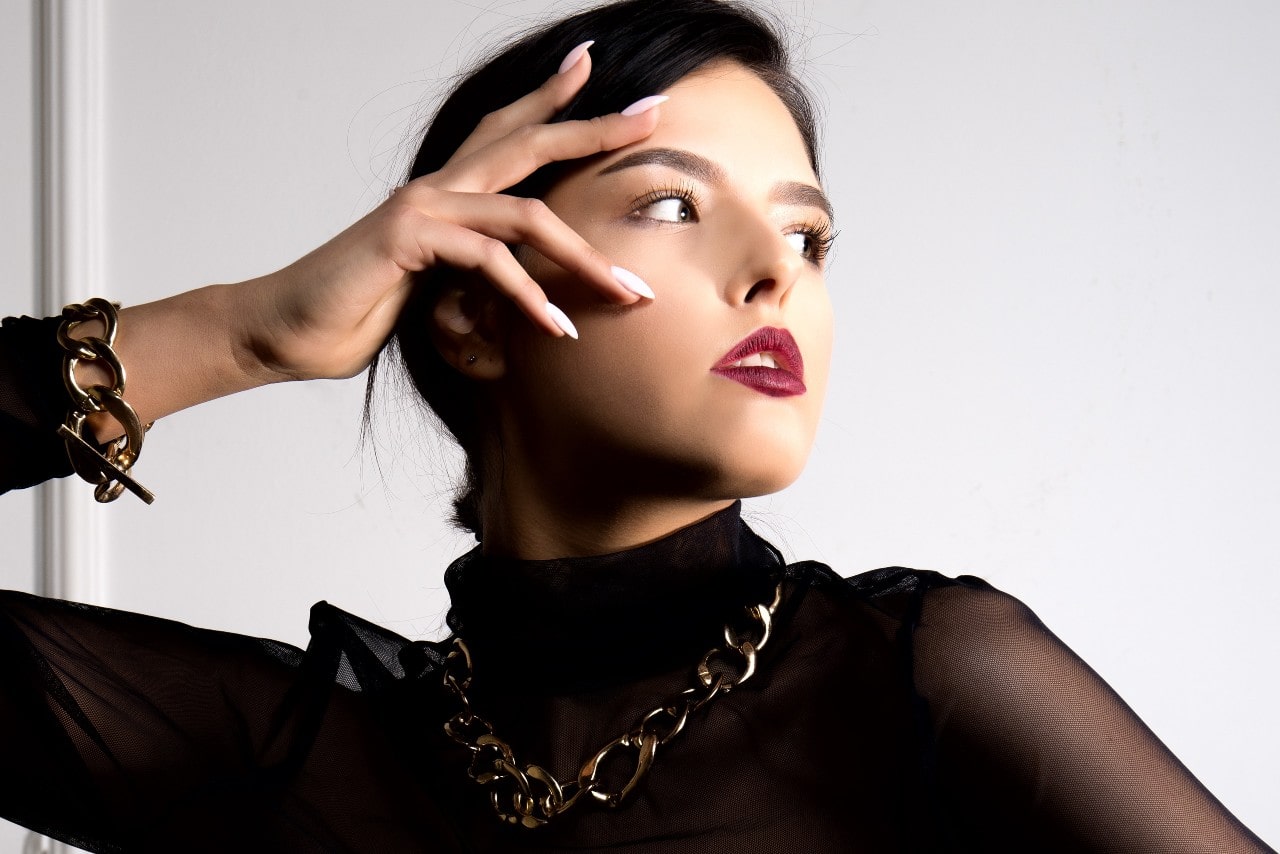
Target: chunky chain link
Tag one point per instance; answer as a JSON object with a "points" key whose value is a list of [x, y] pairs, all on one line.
{"points": [[110, 471], [529, 796]]}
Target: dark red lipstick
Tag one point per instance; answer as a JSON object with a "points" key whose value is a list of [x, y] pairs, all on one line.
{"points": [[767, 361]]}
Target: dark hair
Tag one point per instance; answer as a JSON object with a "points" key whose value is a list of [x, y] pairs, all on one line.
{"points": [[642, 48]]}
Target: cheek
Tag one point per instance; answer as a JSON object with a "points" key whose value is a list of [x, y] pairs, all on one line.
{"points": [[631, 393], [645, 357], [636, 394], [640, 339]]}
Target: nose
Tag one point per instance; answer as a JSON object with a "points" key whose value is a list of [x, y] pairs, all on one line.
{"points": [[769, 269]]}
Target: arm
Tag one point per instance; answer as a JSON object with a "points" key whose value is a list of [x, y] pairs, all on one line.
{"points": [[326, 315], [1036, 752], [85, 688], [123, 732]]}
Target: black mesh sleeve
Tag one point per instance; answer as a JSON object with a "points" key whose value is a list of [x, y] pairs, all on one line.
{"points": [[124, 732], [1035, 752], [33, 402]]}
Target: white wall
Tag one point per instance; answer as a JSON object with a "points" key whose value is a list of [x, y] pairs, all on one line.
{"points": [[17, 282], [17, 248], [1056, 287]]}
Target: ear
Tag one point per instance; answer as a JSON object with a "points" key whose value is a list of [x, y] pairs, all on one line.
{"points": [[467, 330]]}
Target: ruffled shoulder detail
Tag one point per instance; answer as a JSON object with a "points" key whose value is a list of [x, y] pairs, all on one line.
{"points": [[364, 657]]}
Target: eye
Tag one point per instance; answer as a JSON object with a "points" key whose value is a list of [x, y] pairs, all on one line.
{"points": [[674, 204], [812, 242], [801, 241], [668, 210]]}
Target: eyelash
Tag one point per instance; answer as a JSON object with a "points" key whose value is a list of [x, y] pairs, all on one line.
{"points": [[686, 193], [820, 233]]}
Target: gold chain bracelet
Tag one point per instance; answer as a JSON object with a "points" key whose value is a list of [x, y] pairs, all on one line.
{"points": [[109, 472], [529, 796]]}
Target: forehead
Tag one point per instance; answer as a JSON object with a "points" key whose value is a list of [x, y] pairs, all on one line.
{"points": [[728, 114]]}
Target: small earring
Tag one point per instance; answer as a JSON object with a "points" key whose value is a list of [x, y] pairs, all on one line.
{"points": [[472, 359]]}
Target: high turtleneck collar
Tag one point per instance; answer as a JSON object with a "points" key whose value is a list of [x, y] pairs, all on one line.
{"points": [[552, 625]]}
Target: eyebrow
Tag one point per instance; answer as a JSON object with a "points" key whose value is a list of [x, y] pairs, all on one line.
{"points": [[708, 172]]}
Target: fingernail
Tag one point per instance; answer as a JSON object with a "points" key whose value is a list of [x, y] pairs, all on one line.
{"points": [[574, 56], [632, 282], [559, 318], [644, 105]]}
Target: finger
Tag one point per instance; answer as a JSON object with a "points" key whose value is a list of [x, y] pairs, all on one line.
{"points": [[439, 242], [522, 152], [538, 107], [531, 223]]}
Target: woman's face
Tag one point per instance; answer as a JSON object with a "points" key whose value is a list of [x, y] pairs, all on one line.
{"points": [[720, 212]]}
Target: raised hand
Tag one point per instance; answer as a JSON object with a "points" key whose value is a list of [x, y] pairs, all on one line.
{"points": [[327, 314]]}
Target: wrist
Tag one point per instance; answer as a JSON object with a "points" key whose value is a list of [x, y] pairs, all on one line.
{"points": [[258, 332], [249, 328], [178, 352]]}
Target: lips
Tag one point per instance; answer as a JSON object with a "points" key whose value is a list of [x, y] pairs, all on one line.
{"points": [[767, 361]]}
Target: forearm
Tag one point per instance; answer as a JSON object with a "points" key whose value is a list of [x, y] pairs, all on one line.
{"points": [[177, 352]]}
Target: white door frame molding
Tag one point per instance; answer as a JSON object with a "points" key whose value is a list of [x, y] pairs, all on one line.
{"points": [[72, 525]]}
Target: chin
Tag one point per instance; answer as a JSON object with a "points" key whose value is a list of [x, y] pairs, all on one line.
{"points": [[765, 454], [755, 484]]}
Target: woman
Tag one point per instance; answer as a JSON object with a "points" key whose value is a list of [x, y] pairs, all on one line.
{"points": [[605, 487]]}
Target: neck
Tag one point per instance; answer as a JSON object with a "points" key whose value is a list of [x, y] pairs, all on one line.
{"points": [[529, 523]]}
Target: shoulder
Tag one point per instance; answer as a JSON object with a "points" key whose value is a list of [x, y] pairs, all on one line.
{"points": [[910, 595], [968, 644], [948, 627]]}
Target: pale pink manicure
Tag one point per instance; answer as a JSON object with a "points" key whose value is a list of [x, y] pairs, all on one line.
{"points": [[559, 318], [644, 105], [632, 282], [574, 56]]}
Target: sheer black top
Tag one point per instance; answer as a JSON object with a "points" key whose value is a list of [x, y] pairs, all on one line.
{"points": [[899, 710]]}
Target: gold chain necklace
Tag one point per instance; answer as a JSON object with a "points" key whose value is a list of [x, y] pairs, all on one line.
{"points": [[529, 796]]}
